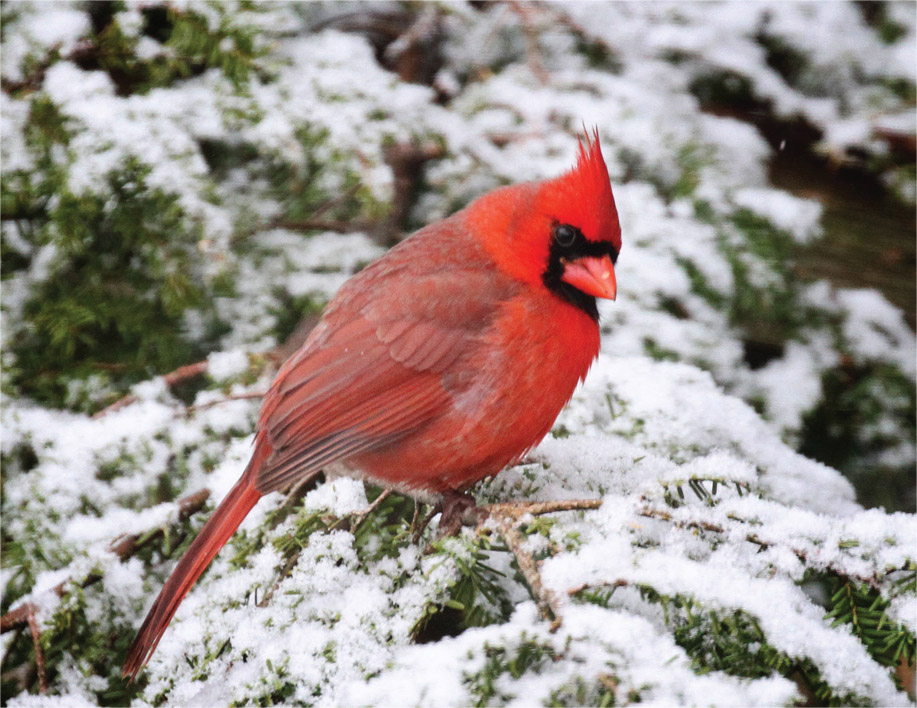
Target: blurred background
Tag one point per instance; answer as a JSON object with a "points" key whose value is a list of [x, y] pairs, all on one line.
{"points": [[183, 178]]}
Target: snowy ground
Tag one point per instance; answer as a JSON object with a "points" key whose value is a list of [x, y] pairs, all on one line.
{"points": [[715, 541]]}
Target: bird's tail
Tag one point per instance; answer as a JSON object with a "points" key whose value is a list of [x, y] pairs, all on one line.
{"points": [[216, 532]]}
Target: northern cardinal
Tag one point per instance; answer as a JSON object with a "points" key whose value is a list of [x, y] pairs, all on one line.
{"points": [[439, 364]]}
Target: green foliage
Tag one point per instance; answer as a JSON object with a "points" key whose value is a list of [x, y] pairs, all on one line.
{"points": [[788, 61], [125, 271], [775, 301], [600, 693], [476, 599], [731, 641], [692, 158], [387, 530], [724, 88], [276, 684], [863, 609], [849, 429], [302, 186], [290, 310], [88, 626], [529, 656], [674, 494], [193, 39]]}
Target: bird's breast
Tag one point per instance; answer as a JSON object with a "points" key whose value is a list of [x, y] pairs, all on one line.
{"points": [[506, 390]]}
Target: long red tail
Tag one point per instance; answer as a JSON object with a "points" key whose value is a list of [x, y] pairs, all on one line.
{"points": [[216, 532]]}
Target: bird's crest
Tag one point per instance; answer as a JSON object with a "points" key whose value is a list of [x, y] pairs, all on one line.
{"points": [[582, 196]]}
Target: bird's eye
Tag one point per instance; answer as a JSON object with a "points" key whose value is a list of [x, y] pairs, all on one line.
{"points": [[564, 235]]}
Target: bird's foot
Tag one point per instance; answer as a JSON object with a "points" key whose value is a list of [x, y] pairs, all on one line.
{"points": [[459, 510]]}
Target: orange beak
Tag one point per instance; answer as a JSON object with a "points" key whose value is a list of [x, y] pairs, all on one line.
{"points": [[593, 275]]}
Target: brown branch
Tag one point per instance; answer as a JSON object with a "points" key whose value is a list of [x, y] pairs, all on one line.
{"points": [[19, 617], [310, 224], [508, 526], [182, 373], [227, 399], [416, 54], [532, 51], [516, 510], [508, 517], [39, 652], [353, 521], [588, 586], [123, 547], [406, 161], [663, 515], [357, 520]]}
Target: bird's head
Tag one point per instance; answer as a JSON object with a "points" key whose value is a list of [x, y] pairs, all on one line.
{"points": [[562, 233]]}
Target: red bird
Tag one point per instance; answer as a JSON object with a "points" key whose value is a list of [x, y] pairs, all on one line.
{"points": [[439, 364]]}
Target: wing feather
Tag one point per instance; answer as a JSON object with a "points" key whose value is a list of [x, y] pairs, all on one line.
{"points": [[369, 376]]}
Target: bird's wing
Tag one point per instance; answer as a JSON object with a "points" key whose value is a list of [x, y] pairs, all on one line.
{"points": [[373, 372]]}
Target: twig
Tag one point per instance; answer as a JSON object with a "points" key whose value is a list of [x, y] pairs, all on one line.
{"points": [[291, 561], [335, 201], [357, 520], [508, 517], [414, 519], [588, 586], [516, 510], [532, 50], [227, 399], [336, 225], [663, 515], [544, 598], [123, 547], [173, 377], [298, 490], [415, 55], [39, 652]]}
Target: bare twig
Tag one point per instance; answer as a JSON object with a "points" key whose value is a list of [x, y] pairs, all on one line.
{"points": [[298, 490], [226, 399], [532, 51], [182, 373], [39, 652], [516, 510], [508, 527], [414, 521], [312, 224], [355, 521], [508, 517], [415, 55], [663, 515], [123, 547], [588, 586]]}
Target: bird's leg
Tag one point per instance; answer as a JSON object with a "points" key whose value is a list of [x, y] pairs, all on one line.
{"points": [[458, 509]]}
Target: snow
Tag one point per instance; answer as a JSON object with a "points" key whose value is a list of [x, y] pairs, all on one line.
{"points": [[798, 217], [876, 329], [663, 411], [226, 364]]}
